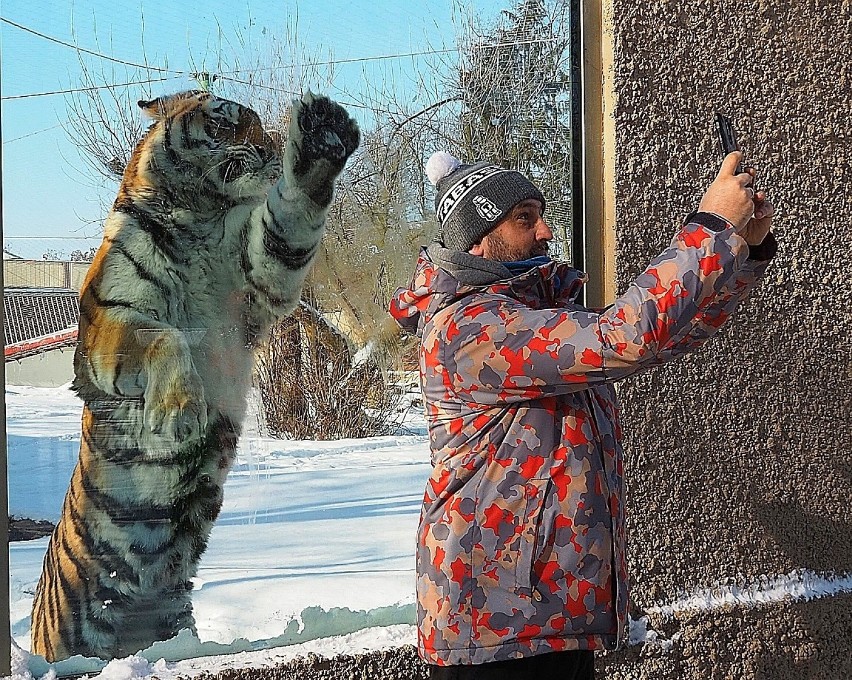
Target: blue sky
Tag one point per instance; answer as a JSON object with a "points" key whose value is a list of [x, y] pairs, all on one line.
{"points": [[47, 192]]}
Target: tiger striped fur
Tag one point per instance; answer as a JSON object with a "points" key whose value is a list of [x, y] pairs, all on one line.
{"points": [[208, 242]]}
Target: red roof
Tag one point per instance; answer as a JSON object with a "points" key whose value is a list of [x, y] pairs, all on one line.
{"points": [[38, 320]]}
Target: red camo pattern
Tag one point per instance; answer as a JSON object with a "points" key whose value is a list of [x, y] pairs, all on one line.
{"points": [[521, 543]]}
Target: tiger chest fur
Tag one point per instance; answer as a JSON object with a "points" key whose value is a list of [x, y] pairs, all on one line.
{"points": [[208, 243]]}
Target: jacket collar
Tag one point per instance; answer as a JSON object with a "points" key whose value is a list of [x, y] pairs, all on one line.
{"points": [[443, 276]]}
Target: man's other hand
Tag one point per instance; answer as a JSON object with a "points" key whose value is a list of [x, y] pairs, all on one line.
{"points": [[732, 197]]}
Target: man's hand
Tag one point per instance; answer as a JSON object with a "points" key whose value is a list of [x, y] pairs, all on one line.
{"points": [[731, 197], [758, 226]]}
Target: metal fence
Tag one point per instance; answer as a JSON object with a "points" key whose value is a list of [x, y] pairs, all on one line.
{"points": [[31, 314]]}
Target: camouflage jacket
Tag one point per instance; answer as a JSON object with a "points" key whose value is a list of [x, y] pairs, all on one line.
{"points": [[521, 543]]}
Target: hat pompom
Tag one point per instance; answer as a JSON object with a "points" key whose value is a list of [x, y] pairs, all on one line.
{"points": [[439, 165]]}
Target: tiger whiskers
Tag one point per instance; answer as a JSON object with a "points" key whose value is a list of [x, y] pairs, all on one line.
{"points": [[204, 175]]}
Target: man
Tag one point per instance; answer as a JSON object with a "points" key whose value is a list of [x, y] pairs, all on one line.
{"points": [[521, 570]]}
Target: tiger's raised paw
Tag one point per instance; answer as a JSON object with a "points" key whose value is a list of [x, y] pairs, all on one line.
{"points": [[321, 138]]}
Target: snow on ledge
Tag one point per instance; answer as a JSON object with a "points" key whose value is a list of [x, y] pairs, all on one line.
{"points": [[137, 667], [797, 585]]}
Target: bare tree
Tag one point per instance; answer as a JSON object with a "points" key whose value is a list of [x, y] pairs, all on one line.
{"points": [[104, 122], [267, 73], [514, 85], [313, 384], [78, 255], [506, 98]]}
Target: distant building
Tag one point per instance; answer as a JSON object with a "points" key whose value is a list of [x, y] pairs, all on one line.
{"points": [[41, 310], [21, 273], [40, 328]]}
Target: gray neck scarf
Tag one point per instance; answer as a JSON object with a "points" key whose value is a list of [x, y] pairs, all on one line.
{"points": [[467, 269]]}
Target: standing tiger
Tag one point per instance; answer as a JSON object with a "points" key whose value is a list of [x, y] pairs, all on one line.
{"points": [[207, 244]]}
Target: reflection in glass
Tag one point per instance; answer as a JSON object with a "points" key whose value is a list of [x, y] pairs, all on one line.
{"points": [[314, 538]]}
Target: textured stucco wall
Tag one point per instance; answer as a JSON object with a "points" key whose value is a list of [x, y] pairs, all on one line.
{"points": [[740, 456]]}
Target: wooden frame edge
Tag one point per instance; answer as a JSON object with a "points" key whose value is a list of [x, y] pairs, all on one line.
{"points": [[599, 151]]}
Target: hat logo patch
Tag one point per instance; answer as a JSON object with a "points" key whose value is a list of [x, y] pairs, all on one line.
{"points": [[486, 209], [462, 188]]}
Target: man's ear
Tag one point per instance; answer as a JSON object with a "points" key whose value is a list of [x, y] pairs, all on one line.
{"points": [[477, 249]]}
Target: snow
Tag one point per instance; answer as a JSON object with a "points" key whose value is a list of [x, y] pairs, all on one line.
{"points": [[798, 585], [315, 541], [139, 667], [313, 550]]}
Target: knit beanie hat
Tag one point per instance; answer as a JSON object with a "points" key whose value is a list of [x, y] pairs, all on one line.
{"points": [[472, 199]]}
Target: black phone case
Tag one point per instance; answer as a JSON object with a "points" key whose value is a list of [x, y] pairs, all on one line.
{"points": [[727, 137], [727, 134]]}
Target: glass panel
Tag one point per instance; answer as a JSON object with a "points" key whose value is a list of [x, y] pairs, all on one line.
{"points": [[207, 406]]}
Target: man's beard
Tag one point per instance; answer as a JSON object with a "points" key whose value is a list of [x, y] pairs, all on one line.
{"points": [[503, 252]]}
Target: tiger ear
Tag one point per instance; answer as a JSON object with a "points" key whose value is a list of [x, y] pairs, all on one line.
{"points": [[153, 108], [162, 107]]}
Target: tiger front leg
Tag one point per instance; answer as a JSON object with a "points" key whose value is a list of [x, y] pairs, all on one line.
{"points": [[175, 410], [321, 138], [284, 233]]}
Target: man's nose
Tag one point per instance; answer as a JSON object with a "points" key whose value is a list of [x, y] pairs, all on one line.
{"points": [[543, 232]]}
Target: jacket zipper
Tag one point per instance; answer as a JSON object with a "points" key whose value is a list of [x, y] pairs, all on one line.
{"points": [[536, 547]]}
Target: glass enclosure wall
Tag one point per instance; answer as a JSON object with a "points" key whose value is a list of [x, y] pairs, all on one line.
{"points": [[216, 439]]}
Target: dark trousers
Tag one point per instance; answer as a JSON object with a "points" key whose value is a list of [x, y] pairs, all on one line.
{"points": [[575, 665]]}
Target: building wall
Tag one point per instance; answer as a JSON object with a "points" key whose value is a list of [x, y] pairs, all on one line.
{"points": [[44, 274], [739, 458], [48, 369]]}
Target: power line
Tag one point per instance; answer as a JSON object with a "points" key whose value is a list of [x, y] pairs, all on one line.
{"points": [[272, 88], [85, 89], [30, 134], [401, 55], [224, 75], [335, 62], [330, 62], [258, 85], [354, 105], [85, 51]]}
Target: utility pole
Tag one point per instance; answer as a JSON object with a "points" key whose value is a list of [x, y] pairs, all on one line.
{"points": [[205, 80]]}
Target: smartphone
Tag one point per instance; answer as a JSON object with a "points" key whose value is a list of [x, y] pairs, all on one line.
{"points": [[727, 134], [728, 137]]}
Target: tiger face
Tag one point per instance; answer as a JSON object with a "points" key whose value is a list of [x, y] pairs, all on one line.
{"points": [[214, 143]]}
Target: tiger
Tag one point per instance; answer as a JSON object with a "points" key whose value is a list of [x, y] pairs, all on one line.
{"points": [[207, 244]]}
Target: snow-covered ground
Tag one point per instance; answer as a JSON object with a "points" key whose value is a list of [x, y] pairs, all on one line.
{"points": [[313, 551], [315, 539]]}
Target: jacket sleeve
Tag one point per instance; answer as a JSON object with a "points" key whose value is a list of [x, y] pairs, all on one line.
{"points": [[725, 301], [495, 349]]}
